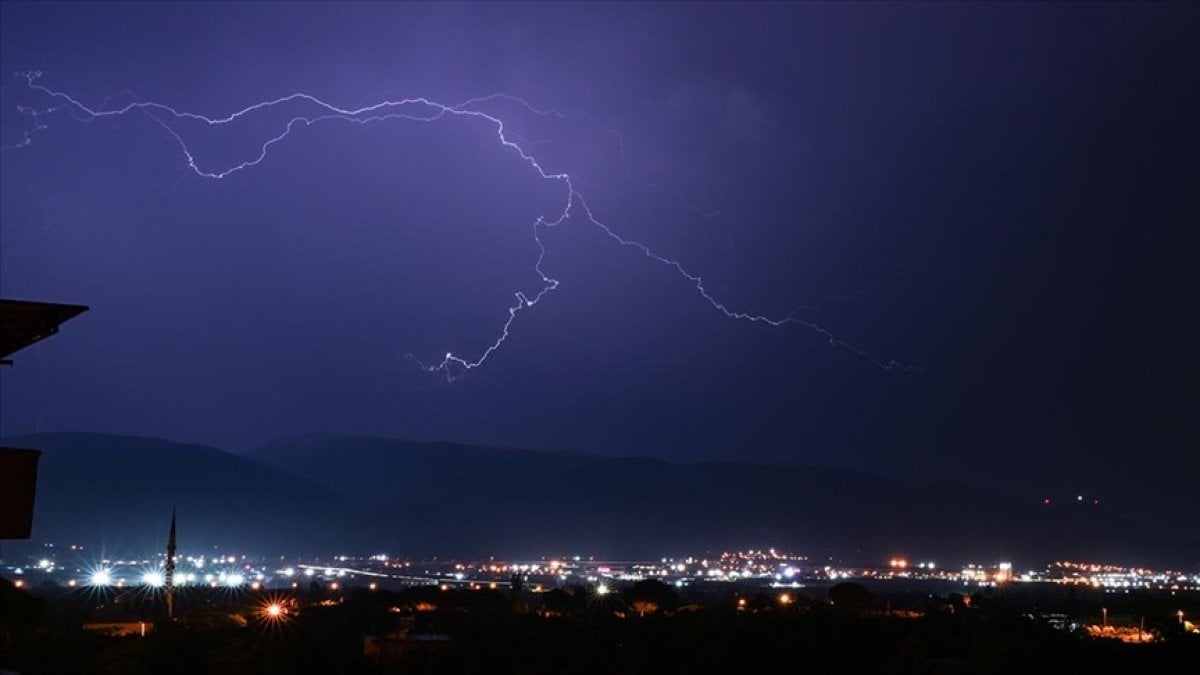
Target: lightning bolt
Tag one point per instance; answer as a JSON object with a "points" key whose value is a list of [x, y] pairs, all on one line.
{"points": [[423, 110]]}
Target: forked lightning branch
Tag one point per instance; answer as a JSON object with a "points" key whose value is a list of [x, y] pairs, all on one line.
{"points": [[423, 111]]}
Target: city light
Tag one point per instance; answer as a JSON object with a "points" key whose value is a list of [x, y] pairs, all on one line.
{"points": [[780, 571], [274, 610]]}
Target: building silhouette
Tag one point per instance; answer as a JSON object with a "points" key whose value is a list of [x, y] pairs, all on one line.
{"points": [[23, 323]]}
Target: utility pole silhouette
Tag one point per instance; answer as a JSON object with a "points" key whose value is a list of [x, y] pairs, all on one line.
{"points": [[169, 577]]}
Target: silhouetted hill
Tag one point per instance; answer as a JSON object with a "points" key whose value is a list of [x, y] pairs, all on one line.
{"points": [[118, 491], [328, 493], [459, 499]]}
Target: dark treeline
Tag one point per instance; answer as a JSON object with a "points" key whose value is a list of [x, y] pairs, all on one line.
{"points": [[643, 628]]}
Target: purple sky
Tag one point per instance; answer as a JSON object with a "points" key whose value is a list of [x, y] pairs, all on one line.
{"points": [[999, 195]]}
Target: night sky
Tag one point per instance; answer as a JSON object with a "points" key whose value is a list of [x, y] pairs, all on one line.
{"points": [[1000, 197]]}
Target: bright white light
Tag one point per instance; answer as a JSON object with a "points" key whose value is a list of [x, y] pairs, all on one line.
{"points": [[44, 564], [309, 572], [602, 590], [234, 580], [101, 578], [289, 572], [154, 579]]}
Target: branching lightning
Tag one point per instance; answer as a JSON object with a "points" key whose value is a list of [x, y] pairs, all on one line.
{"points": [[422, 110]]}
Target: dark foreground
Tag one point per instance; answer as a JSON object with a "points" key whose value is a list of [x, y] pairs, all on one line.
{"points": [[641, 629]]}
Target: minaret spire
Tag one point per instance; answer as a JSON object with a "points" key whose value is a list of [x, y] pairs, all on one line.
{"points": [[169, 577]]}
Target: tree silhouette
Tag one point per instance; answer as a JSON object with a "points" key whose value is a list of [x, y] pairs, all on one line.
{"points": [[850, 596], [649, 596]]}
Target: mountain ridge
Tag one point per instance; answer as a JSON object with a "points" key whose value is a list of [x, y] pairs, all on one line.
{"points": [[120, 490], [831, 509], [322, 492]]}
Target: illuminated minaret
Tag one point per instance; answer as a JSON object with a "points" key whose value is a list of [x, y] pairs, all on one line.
{"points": [[169, 577]]}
